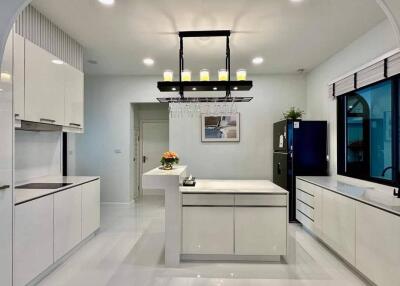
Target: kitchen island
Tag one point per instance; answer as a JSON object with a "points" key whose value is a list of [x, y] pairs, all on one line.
{"points": [[221, 219]]}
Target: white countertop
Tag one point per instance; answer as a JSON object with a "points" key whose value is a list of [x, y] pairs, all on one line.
{"points": [[381, 199], [176, 171], [23, 195], [234, 186]]}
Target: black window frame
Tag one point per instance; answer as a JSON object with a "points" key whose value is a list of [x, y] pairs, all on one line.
{"points": [[342, 135]]}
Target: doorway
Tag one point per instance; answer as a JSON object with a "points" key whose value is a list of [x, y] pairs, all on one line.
{"points": [[151, 132]]}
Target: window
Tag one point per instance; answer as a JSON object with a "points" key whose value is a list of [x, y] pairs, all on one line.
{"points": [[367, 145]]}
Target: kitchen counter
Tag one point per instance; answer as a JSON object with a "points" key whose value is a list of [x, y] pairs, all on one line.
{"points": [[25, 195], [234, 186], [380, 199]]}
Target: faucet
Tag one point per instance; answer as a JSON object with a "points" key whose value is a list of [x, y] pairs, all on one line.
{"points": [[396, 193], [386, 169]]}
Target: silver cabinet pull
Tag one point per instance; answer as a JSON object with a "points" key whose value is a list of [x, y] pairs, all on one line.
{"points": [[47, 120], [5, 187], [75, 124]]}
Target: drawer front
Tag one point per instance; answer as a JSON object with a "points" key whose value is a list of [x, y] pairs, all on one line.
{"points": [[305, 209], [208, 200], [306, 187], [261, 200], [305, 197], [305, 221]]}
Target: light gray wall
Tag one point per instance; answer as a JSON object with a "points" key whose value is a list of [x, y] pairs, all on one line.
{"points": [[251, 158], [108, 117], [319, 105]]}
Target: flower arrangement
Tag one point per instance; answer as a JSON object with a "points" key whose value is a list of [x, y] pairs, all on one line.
{"points": [[293, 113], [168, 159]]}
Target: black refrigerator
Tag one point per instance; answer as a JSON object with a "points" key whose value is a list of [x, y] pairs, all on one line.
{"points": [[300, 149]]}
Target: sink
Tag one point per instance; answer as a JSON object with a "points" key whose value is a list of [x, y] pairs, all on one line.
{"points": [[43, 186]]}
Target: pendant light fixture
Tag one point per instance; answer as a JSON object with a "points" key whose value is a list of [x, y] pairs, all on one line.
{"points": [[185, 83]]}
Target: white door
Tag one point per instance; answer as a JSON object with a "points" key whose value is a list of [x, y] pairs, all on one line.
{"points": [[155, 141], [6, 133]]}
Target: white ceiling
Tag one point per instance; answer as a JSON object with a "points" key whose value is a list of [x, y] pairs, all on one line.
{"points": [[289, 36]]}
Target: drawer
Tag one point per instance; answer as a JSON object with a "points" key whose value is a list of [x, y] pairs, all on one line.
{"points": [[305, 209], [260, 200], [207, 200], [306, 187], [305, 197], [305, 221]]}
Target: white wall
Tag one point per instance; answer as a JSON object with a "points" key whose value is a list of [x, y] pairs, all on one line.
{"points": [[108, 117], [373, 44], [37, 154], [251, 158]]}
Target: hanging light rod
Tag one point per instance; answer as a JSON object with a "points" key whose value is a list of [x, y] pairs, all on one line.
{"points": [[199, 34]]}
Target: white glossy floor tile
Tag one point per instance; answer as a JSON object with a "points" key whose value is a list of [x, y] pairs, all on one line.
{"points": [[129, 251]]}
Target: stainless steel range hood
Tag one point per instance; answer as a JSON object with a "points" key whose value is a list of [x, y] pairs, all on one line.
{"points": [[36, 126]]}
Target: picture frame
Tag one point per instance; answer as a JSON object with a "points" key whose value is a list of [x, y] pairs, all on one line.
{"points": [[220, 127]]}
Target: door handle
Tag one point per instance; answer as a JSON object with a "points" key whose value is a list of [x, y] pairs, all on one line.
{"points": [[47, 120], [5, 187], [144, 159]]}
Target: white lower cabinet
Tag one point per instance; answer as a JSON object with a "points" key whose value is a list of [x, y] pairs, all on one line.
{"points": [[377, 244], [33, 239], [90, 208], [339, 224], [260, 230], [67, 221], [207, 230]]}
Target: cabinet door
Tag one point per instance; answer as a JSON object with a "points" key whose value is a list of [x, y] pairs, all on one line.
{"points": [[90, 208], [19, 76], [317, 226], [6, 147], [67, 221], [377, 244], [44, 86], [73, 97], [260, 231], [207, 230], [338, 224], [33, 239]]}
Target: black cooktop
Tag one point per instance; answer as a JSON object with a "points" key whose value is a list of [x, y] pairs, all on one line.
{"points": [[43, 186]]}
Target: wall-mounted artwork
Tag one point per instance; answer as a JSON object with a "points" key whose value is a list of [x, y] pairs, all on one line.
{"points": [[220, 128]]}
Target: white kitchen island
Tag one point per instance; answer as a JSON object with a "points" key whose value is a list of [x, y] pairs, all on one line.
{"points": [[221, 219]]}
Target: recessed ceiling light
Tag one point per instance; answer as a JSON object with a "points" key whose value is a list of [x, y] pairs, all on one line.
{"points": [[106, 2], [1, 89], [194, 88], [57, 62], [258, 60], [174, 88], [296, 1], [148, 61], [235, 88], [215, 88]]}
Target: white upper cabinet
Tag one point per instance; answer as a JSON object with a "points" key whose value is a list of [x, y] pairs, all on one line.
{"points": [[73, 97], [19, 76], [44, 86]]}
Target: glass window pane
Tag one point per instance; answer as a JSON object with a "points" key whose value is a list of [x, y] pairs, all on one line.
{"points": [[373, 106]]}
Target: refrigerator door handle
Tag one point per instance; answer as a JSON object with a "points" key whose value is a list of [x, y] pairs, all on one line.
{"points": [[278, 169]]}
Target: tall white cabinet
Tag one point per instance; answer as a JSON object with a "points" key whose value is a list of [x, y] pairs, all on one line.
{"points": [[19, 76], [6, 150], [73, 97]]}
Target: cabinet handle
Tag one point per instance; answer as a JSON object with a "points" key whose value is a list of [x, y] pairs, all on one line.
{"points": [[5, 187], [48, 120], [75, 124], [16, 115]]}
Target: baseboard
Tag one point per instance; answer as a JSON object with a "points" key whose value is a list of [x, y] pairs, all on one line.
{"points": [[231, 258], [118, 203]]}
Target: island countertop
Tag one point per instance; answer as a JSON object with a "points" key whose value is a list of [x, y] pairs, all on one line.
{"points": [[234, 187]]}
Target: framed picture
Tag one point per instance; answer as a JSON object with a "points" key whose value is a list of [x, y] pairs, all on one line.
{"points": [[220, 128]]}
